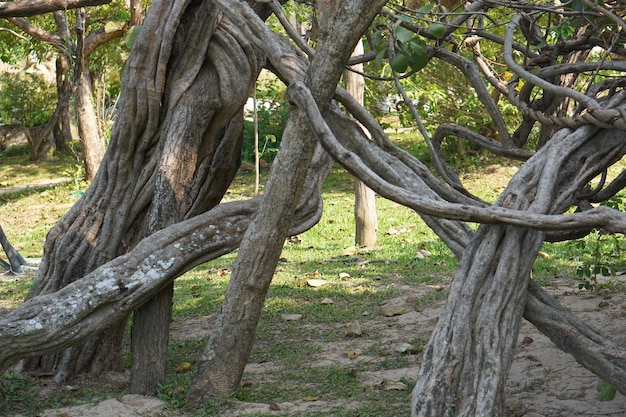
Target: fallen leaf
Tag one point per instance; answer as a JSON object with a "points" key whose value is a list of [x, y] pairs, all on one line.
{"points": [[354, 353], [395, 230], [527, 341], [310, 398], [389, 385], [543, 255], [315, 282], [353, 329], [407, 348], [182, 367], [344, 275], [274, 406], [291, 317], [327, 301], [349, 251], [294, 239], [394, 308]]}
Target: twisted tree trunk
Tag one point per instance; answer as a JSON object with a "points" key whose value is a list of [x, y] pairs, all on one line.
{"points": [[159, 101], [468, 357]]}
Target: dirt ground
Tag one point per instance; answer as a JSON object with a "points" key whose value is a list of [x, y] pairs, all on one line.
{"points": [[543, 382]]}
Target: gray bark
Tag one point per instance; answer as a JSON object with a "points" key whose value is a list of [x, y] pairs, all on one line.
{"points": [[93, 144], [223, 361], [468, 357], [180, 169]]}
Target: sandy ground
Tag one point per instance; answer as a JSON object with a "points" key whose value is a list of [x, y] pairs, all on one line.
{"points": [[543, 382]]}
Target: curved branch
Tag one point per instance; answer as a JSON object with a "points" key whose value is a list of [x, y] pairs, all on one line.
{"points": [[472, 75], [50, 322], [27, 8], [592, 349], [484, 142], [38, 33], [606, 12], [611, 220], [589, 102]]}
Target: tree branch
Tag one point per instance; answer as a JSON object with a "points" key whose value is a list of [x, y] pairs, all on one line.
{"points": [[27, 8], [611, 220]]}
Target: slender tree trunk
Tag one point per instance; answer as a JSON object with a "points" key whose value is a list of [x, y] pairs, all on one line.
{"points": [[15, 259], [223, 361], [365, 219], [64, 124], [93, 144]]}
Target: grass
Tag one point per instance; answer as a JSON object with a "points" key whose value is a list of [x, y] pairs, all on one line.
{"points": [[306, 360]]}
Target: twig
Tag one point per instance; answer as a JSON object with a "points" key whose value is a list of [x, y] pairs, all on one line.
{"points": [[372, 261]]}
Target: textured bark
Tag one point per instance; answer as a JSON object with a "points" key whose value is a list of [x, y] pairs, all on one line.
{"points": [[470, 352], [104, 297], [590, 347], [40, 142], [25, 8], [112, 216], [468, 357], [64, 124], [92, 142], [193, 129], [15, 259], [222, 363]]}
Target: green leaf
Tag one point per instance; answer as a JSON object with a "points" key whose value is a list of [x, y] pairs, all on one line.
{"points": [[379, 41], [606, 391], [438, 30], [418, 60], [404, 18], [424, 10], [418, 45], [400, 62], [131, 36], [379, 57], [579, 5], [403, 34]]}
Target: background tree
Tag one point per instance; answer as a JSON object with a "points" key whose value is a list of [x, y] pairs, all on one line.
{"points": [[77, 81], [177, 144], [365, 221]]}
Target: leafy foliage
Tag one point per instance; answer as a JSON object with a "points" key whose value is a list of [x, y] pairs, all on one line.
{"points": [[26, 99], [602, 251], [272, 114]]}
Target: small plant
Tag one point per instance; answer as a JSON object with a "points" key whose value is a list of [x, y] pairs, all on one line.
{"points": [[272, 118], [605, 248]]}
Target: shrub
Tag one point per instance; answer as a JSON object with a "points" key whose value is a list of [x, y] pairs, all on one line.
{"points": [[26, 99]]}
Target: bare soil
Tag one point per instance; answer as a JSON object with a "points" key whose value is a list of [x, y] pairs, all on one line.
{"points": [[543, 381]]}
